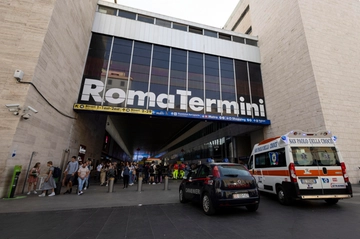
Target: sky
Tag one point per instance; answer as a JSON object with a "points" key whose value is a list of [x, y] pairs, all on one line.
{"points": [[209, 12]]}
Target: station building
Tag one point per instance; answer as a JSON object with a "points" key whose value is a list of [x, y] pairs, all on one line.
{"points": [[72, 72]]}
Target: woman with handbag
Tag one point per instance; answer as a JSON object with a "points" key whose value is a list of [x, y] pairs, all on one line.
{"points": [[33, 178]]}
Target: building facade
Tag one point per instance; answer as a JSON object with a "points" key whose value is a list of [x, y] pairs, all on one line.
{"points": [[310, 67], [48, 41]]}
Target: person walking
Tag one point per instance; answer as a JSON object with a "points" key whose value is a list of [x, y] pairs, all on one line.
{"points": [[83, 173], [33, 178], [87, 179], [70, 172], [49, 183], [126, 174], [98, 171]]}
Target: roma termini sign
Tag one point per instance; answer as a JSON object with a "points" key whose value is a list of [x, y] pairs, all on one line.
{"points": [[94, 98]]}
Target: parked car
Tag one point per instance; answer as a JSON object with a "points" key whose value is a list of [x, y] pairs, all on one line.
{"points": [[219, 185]]}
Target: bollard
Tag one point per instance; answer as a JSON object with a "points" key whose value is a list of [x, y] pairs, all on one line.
{"points": [[139, 185], [111, 185], [166, 183]]}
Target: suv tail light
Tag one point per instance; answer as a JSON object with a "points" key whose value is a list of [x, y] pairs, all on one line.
{"points": [[343, 169], [216, 172], [292, 172]]}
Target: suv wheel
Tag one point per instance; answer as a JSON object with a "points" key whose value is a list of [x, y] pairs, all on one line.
{"points": [[253, 207], [207, 205], [182, 196]]}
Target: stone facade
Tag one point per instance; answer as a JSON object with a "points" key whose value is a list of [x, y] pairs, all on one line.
{"points": [[48, 40], [310, 68]]}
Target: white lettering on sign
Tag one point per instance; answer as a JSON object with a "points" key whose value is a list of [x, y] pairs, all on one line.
{"points": [[311, 141], [266, 147], [93, 89]]}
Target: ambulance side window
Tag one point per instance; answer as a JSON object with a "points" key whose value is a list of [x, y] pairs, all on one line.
{"points": [[275, 158], [251, 161]]}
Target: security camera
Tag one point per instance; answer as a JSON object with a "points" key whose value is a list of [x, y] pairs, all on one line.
{"points": [[26, 116], [12, 105], [13, 108], [32, 109]]}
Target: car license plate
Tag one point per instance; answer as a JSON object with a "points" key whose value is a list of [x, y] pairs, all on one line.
{"points": [[308, 181], [241, 195]]}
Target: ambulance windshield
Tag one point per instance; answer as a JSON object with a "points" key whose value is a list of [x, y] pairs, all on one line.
{"points": [[315, 156]]}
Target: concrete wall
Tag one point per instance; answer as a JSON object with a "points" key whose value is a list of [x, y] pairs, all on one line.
{"points": [[310, 67], [332, 35], [49, 41]]}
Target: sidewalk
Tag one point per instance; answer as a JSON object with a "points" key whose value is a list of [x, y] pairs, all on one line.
{"points": [[98, 197], [95, 197]]}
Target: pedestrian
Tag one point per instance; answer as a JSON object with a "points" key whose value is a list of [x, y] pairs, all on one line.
{"points": [[103, 174], [90, 167], [33, 178], [49, 183], [98, 171], [83, 173], [131, 175], [71, 173], [146, 173], [175, 171], [152, 172], [126, 174]]}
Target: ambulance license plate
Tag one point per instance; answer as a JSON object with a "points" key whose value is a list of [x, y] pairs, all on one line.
{"points": [[241, 195], [308, 181]]}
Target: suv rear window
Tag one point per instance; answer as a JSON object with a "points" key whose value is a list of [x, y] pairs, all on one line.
{"points": [[233, 170]]}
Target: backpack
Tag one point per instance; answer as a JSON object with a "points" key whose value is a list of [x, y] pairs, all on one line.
{"points": [[57, 172]]}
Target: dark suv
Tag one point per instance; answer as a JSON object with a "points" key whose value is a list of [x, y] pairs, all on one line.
{"points": [[218, 185]]}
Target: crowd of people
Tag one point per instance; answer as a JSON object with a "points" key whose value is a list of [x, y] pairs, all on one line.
{"points": [[78, 173]]}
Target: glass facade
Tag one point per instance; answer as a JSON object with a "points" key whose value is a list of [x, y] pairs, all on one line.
{"points": [[168, 81]]}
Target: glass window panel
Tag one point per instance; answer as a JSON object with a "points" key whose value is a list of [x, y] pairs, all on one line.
{"points": [[238, 39], [159, 74], [126, 14], [179, 26], [210, 33], [257, 91], [178, 74], [195, 30], [224, 36], [242, 83], [107, 10], [163, 23], [147, 19], [119, 66], [196, 83], [97, 61], [140, 71], [251, 42], [212, 85], [228, 87]]}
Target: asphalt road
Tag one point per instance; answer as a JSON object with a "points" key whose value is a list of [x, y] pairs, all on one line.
{"points": [[313, 219]]}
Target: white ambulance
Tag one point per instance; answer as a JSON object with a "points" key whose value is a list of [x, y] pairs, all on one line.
{"points": [[301, 165]]}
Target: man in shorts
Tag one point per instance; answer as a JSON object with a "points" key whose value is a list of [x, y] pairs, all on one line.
{"points": [[70, 171]]}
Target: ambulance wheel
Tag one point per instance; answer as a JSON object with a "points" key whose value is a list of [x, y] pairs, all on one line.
{"points": [[331, 201], [283, 198], [182, 196], [207, 205]]}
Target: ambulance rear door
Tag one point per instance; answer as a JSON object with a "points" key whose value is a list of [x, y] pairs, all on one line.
{"points": [[318, 170]]}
